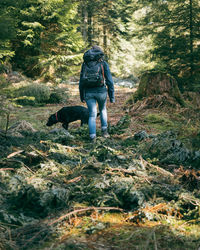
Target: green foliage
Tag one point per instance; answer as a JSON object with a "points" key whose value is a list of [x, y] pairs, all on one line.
{"points": [[41, 92], [121, 125], [58, 95], [173, 27], [6, 106], [108, 24], [40, 34], [7, 30], [33, 94]]}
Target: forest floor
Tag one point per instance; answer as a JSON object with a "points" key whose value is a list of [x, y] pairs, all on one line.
{"points": [[58, 191]]}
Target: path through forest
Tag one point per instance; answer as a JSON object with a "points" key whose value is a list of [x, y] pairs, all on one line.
{"points": [[115, 110]]}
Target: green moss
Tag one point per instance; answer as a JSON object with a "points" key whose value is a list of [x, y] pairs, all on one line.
{"points": [[159, 121], [156, 118]]}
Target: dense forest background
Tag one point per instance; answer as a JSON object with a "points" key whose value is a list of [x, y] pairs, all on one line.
{"points": [[47, 38]]}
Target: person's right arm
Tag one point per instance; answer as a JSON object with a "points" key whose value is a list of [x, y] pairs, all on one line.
{"points": [[109, 82], [81, 88]]}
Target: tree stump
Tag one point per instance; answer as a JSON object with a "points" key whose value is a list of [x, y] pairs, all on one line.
{"points": [[160, 87]]}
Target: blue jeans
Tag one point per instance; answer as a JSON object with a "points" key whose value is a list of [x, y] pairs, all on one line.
{"points": [[91, 99]]}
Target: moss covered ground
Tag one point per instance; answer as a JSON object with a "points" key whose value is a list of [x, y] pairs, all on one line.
{"points": [[59, 191]]}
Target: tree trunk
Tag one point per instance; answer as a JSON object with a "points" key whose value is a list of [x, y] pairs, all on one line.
{"points": [[104, 39], [105, 8], [89, 25], [84, 23], [191, 42], [154, 84]]}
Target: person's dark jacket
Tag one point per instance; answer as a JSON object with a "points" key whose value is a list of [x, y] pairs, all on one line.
{"points": [[108, 80]]}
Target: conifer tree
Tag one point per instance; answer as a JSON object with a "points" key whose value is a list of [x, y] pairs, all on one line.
{"points": [[105, 22], [174, 27], [8, 10], [47, 38]]}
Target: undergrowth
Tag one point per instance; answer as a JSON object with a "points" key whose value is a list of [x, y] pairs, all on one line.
{"points": [[135, 190]]}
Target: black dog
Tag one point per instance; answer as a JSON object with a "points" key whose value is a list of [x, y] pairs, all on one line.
{"points": [[69, 114]]}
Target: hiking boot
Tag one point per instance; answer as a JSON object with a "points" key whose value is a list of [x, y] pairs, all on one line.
{"points": [[105, 134]]}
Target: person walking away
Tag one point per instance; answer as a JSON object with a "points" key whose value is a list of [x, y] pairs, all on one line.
{"points": [[95, 82]]}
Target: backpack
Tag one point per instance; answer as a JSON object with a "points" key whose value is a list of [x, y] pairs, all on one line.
{"points": [[93, 71]]}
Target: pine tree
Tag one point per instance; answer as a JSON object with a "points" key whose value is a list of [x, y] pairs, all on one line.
{"points": [[105, 22], [47, 40], [174, 27], [61, 43], [7, 30]]}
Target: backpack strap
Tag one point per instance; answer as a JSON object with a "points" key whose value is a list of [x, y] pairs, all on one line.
{"points": [[102, 71]]}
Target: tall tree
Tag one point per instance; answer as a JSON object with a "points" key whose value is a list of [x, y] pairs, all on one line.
{"points": [[174, 27], [8, 11], [106, 22], [47, 39], [40, 35]]}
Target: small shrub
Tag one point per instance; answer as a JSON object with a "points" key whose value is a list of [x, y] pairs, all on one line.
{"points": [[41, 92], [58, 95]]}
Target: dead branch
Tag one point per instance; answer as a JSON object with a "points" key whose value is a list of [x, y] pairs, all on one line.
{"points": [[7, 123], [123, 170], [83, 210], [76, 179], [192, 200], [4, 169], [155, 243], [131, 172], [14, 153], [160, 170], [37, 151], [13, 160]]}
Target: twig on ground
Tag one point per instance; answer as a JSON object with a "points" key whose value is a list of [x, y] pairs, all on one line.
{"points": [[83, 210], [125, 171], [155, 243], [13, 160], [160, 170], [148, 239], [4, 169], [7, 123], [42, 154], [14, 154], [76, 179]]}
